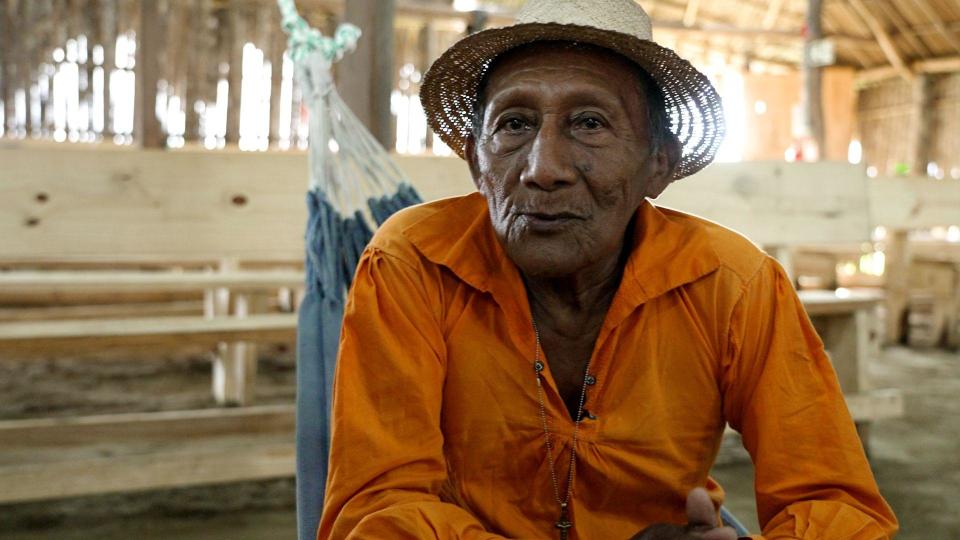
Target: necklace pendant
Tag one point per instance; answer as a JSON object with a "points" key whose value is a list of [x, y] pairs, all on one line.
{"points": [[563, 523]]}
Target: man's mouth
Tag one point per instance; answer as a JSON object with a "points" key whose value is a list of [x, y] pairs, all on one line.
{"points": [[548, 221]]}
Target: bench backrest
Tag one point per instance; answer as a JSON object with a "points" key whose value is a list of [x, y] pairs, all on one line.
{"points": [[73, 203]]}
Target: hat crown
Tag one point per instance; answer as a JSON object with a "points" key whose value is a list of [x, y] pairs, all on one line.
{"points": [[623, 16]]}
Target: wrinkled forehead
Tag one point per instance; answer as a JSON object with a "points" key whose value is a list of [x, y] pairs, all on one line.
{"points": [[586, 63]]}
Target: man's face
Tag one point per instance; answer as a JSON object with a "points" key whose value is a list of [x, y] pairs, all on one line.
{"points": [[564, 157]]}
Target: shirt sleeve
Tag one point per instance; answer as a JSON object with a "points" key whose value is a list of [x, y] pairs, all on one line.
{"points": [[387, 464], [781, 393]]}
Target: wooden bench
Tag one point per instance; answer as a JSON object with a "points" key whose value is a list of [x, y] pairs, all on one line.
{"points": [[847, 323], [84, 211], [64, 457]]}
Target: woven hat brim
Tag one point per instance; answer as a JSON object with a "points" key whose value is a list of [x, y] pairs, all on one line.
{"points": [[449, 90]]}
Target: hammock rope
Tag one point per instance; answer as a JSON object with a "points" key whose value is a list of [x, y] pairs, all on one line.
{"points": [[354, 186]]}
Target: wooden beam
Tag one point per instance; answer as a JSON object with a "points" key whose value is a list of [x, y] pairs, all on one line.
{"points": [[883, 38], [947, 64]]}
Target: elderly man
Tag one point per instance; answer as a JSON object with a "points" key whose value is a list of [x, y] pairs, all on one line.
{"points": [[555, 356]]}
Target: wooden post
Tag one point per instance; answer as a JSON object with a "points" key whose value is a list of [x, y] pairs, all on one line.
{"points": [[181, 46], [29, 17], [920, 125], [6, 64], [897, 276], [235, 37], [812, 78], [428, 53], [366, 76], [108, 40], [149, 40], [277, 45], [198, 64]]}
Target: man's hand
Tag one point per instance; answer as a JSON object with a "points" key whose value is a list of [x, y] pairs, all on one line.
{"points": [[701, 523]]}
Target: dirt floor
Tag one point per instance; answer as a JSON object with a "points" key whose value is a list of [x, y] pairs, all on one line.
{"points": [[916, 459]]}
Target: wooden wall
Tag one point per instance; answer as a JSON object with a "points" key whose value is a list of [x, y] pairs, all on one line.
{"points": [[771, 130], [904, 126]]}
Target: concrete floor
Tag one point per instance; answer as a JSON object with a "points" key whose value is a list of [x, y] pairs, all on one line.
{"points": [[916, 460]]}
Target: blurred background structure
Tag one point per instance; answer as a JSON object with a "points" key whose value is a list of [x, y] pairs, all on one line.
{"points": [[152, 177]]}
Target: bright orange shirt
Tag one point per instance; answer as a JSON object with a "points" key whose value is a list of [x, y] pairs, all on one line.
{"points": [[436, 427]]}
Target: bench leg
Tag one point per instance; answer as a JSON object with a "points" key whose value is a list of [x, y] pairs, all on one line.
{"points": [[234, 364], [234, 373]]}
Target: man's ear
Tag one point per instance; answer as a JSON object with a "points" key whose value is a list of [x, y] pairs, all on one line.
{"points": [[470, 153], [663, 163]]}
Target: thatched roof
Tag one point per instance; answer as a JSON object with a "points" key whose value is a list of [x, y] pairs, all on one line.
{"points": [[902, 35]]}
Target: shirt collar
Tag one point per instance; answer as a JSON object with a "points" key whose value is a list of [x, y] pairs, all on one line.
{"points": [[669, 250]]}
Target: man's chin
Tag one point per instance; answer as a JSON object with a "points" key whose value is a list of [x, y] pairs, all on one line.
{"points": [[548, 264]]}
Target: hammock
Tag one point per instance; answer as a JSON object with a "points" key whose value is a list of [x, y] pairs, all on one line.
{"points": [[354, 187]]}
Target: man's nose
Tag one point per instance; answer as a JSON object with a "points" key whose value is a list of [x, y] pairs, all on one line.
{"points": [[549, 163]]}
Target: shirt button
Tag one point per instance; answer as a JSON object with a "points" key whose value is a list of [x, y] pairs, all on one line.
{"points": [[590, 380]]}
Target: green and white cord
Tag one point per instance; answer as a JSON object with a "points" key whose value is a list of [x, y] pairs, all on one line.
{"points": [[304, 40]]}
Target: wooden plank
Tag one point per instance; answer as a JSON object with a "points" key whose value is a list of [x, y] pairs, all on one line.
{"points": [[914, 203], [147, 426], [833, 302], [119, 282], [130, 205], [777, 203], [51, 337], [187, 463], [119, 205], [106, 311]]}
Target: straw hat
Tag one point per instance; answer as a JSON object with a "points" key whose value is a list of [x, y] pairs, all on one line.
{"points": [[449, 89]]}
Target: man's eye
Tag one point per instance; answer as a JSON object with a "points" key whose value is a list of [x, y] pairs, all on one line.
{"points": [[590, 123], [514, 124]]}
